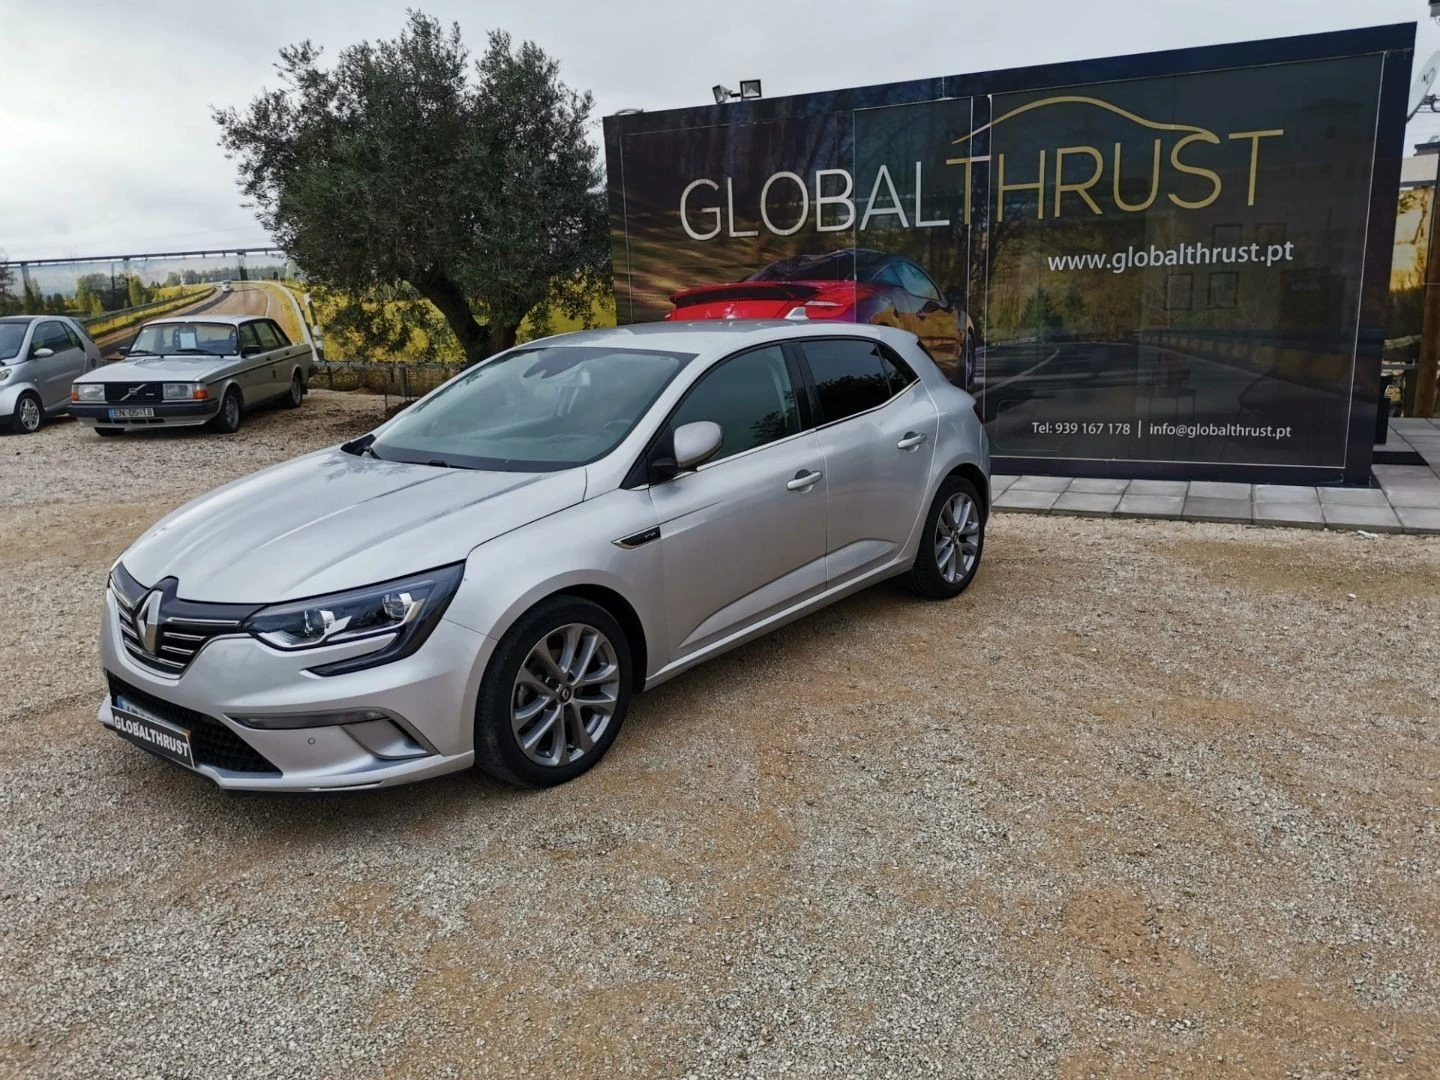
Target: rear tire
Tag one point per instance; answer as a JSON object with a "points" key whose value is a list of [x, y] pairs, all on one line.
{"points": [[951, 544], [554, 695], [295, 396], [29, 415], [106, 432], [227, 420]]}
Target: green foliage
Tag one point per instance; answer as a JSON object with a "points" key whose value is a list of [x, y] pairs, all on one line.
{"points": [[9, 302], [473, 185]]}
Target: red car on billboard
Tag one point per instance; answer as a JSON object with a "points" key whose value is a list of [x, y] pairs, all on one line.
{"points": [[853, 285]]}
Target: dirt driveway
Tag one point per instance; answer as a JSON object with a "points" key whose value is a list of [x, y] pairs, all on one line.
{"points": [[1150, 799]]}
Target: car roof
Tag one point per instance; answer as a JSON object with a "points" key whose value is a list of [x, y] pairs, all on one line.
{"points": [[226, 320], [25, 318], [708, 336]]}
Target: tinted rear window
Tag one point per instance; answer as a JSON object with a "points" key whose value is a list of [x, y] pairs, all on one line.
{"points": [[850, 376]]}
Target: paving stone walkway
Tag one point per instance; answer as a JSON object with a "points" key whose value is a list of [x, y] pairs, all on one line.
{"points": [[1406, 500]]}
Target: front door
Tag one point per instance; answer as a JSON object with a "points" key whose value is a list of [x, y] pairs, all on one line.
{"points": [[55, 373], [878, 435], [743, 536]]}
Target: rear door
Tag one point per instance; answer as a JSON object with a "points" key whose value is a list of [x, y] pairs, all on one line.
{"points": [[743, 536], [877, 430], [275, 374]]}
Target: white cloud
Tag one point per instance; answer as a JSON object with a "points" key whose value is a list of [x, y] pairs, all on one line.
{"points": [[106, 140]]}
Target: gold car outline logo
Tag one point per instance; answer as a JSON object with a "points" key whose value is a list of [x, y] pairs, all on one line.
{"points": [[1194, 133]]}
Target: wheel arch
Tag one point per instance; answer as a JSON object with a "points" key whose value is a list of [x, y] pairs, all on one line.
{"points": [[970, 471], [623, 613]]}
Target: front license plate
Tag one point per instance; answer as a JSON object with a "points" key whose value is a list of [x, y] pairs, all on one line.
{"points": [[153, 734], [132, 414]]}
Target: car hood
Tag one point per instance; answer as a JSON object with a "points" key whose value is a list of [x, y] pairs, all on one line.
{"points": [[179, 368], [332, 521]]}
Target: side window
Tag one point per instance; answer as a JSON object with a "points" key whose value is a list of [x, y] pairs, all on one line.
{"points": [[269, 339], [750, 396], [248, 337], [279, 334], [897, 372], [71, 338], [917, 283], [886, 275], [850, 376], [50, 335]]}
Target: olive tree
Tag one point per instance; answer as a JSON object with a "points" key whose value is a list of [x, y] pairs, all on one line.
{"points": [[472, 183]]}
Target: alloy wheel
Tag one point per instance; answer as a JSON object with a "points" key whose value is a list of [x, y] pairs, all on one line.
{"points": [[565, 695], [957, 537], [29, 415]]}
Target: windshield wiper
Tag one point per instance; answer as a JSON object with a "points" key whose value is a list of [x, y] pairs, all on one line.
{"points": [[137, 352]]}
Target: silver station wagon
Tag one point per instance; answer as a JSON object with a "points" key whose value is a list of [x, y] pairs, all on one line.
{"points": [[185, 372]]}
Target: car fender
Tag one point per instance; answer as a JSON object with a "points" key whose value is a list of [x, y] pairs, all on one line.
{"points": [[508, 575], [10, 391]]}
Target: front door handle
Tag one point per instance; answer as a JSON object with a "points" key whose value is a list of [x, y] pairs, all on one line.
{"points": [[911, 440], [803, 481]]}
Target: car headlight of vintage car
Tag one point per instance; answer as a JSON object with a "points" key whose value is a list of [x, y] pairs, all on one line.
{"points": [[406, 609], [184, 391], [90, 391], [5, 373]]}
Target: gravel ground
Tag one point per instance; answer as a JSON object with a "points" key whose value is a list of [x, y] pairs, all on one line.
{"points": [[1153, 798]]}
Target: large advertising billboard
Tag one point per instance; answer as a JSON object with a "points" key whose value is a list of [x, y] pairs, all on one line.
{"points": [[1149, 266]]}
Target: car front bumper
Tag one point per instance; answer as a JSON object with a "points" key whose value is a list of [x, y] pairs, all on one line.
{"points": [[431, 694], [166, 414]]}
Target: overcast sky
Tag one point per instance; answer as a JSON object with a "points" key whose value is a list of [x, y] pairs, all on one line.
{"points": [[107, 146]]}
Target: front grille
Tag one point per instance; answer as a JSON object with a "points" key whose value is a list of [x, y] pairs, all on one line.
{"points": [[184, 627], [129, 393], [211, 742]]}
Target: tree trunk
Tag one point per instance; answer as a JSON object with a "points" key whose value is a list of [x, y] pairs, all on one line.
{"points": [[502, 337], [451, 302]]}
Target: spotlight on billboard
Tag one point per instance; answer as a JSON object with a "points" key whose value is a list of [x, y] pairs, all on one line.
{"points": [[722, 94], [749, 89]]}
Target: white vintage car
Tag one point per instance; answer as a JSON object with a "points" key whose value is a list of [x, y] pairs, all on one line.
{"points": [[185, 372]]}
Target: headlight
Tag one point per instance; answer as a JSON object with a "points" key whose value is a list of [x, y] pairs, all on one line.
{"points": [[406, 608], [179, 391], [90, 391], [5, 373]]}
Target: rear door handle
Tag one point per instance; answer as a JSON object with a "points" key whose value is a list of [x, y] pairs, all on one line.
{"points": [[803, 481], [911, 440]]}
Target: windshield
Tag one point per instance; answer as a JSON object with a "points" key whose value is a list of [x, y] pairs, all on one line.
{"points": [[186, 339], [534, 410], [12, 334]]}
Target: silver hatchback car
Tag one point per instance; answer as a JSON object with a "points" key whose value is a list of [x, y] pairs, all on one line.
{"points": [[40, 355], [488, 577]]}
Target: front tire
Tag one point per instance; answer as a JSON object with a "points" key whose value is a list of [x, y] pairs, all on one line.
{"points": [[227, 420], [29, 414], [554, 695], [952, 543]]}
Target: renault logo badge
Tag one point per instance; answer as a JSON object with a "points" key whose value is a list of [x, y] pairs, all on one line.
{"points": [[147, 623]]}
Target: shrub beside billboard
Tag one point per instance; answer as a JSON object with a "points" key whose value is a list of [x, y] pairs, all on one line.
{"points": [[1161, 275]]}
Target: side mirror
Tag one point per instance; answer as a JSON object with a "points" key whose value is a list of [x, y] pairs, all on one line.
{"points": [[686, 447], [41, 353], [955, 298], [251, 350], [697, 443], [123, 350]]}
